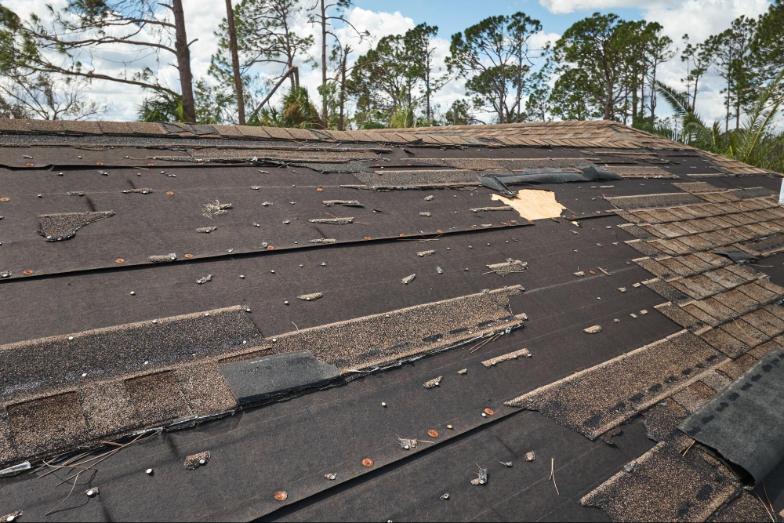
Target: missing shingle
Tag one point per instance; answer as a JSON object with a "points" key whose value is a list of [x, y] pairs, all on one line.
{"points": [[653, 200], [533, 204], [59, 227]]}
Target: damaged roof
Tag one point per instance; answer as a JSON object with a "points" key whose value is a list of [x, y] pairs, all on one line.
{"points": [[563, 321]]}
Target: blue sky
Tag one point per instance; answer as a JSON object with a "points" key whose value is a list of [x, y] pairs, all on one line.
{"points": [[700, 18], [456, 15]]}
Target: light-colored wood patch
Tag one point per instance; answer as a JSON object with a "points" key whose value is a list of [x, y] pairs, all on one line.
{"points": [[533, 204]]}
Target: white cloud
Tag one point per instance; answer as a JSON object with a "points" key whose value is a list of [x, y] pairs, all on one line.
{"points": [[570, 6]]}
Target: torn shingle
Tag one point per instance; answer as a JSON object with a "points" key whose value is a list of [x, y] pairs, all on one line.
{"points": [[59, 227], [59, 361], [382, 339], [752, 401], [597, 399], [663, 485]]}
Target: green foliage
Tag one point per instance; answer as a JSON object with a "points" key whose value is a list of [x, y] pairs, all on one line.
{"points": [[613, 62], [495, 58], [392, 79]]}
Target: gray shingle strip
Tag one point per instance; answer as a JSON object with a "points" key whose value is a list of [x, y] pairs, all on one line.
{"points": [[598, 399], [752, 401], [276, 375], [38, 365], [664, 485], [63, 226]]}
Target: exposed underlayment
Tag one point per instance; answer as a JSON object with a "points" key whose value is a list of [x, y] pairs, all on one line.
{"points": [[58, 227], [533, 204], [752, 401], [230, 206]]}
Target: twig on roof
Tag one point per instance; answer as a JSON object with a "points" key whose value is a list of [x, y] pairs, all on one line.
{"points": [[552, 475]]}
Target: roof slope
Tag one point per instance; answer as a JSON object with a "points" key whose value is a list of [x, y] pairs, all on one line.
{"points": [[392, 324]]}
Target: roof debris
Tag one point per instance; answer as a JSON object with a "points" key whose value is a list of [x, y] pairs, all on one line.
{"points": [[59, 227], [481, 477], [195, 461], [408, 279], [522, 353], [163, 258], [508, 267], [344, 203], [492, 209], [216, 208], [432, 384], [333, 221], [13, 516]]}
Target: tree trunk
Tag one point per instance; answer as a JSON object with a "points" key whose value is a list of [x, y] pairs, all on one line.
{"points": [[235, 63], [184, 63], [342, 99], [324, 107], [653, 96]]}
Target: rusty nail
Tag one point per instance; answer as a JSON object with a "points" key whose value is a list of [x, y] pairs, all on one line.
{"points": [[368, 463], [281, 495], [433, 433]]}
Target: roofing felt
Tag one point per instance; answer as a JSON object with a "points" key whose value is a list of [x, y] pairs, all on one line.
{"points": [[242, 323]]}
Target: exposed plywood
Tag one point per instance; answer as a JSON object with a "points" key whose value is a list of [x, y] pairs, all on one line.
{"points": [[533, 204]]}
